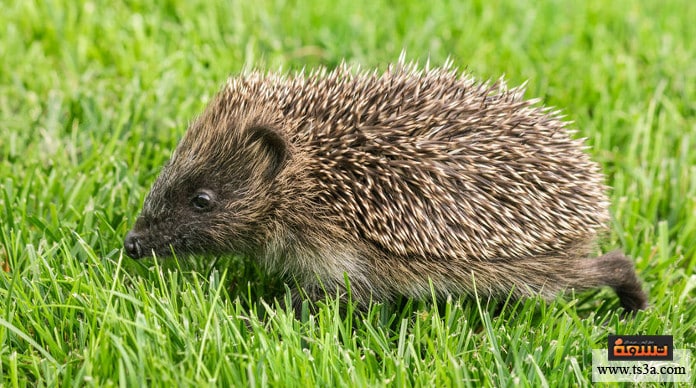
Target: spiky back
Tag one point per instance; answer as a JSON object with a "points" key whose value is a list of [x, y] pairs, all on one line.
{"points": [[434, 164]]}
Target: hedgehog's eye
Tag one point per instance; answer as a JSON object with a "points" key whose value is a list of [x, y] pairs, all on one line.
{"points": [[202, 201]]}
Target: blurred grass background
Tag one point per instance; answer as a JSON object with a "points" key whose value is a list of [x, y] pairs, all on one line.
{"points": [[95, 95]]}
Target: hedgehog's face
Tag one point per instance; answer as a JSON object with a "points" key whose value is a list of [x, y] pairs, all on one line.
{"points": [[213, 196]]}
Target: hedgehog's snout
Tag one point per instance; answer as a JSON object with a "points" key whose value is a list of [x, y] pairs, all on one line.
{"points": [[133, 245]]}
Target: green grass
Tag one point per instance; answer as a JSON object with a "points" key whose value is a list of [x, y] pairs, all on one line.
{"points": [[95, 95]]}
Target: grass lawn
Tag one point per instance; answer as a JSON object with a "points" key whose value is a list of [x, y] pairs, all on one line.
{"points": [[95, 95]]}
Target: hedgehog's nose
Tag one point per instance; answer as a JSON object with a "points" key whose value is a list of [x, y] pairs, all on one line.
{"points": [[132, 245]]}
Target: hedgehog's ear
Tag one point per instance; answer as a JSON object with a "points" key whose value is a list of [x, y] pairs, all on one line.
{"points": [[272, 146]]}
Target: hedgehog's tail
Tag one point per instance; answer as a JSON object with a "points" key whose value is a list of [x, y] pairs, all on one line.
{"points": [[616, 271]]}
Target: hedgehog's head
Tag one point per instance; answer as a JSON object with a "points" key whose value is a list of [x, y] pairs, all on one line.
{"points": [[214, 195]]}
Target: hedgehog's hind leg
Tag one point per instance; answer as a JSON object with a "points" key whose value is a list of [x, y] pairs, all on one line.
{"points": [[616, 271]]}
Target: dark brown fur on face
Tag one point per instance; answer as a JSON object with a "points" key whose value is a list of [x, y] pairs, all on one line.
{"points": [[396, 180]]}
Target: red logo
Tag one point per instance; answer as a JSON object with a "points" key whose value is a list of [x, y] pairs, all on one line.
{"points": [[640, 347]]}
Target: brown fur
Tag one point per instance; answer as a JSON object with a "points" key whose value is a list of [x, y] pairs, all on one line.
{"points": [[396, 179]]}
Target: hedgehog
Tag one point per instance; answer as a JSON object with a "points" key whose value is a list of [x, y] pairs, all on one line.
{"points": [[407, 182]]}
